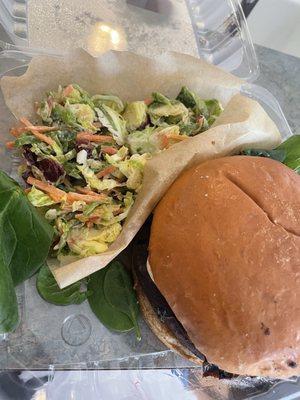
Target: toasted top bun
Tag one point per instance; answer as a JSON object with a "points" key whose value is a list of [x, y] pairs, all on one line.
{"points": [[225, 253]]}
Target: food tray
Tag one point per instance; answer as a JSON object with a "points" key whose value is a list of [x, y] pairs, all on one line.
{"points": [[60, 338]]}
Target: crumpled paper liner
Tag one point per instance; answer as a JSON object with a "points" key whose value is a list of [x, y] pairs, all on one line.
{"points": [[242, 124]]}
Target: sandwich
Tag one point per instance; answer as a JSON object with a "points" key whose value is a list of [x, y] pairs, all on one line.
{"points": [[220, 282]]}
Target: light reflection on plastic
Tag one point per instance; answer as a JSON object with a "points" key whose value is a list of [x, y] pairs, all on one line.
{"points": [[40, 395], [105, 37]]}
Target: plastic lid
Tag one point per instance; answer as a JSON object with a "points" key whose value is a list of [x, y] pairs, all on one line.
{"points": [[214, 30]]}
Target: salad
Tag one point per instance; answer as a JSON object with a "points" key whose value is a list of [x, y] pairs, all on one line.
{"points": [[85, 155]]}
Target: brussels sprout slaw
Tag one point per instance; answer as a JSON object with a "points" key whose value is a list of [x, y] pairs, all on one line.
{"points": [[85, 158]]}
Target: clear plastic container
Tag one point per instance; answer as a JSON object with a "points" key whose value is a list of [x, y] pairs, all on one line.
{"points": [[215, 30], [51, 337]]}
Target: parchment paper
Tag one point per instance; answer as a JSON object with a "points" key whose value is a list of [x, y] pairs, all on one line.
{"points": [[242, 124]]}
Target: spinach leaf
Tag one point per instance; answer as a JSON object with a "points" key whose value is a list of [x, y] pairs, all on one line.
{"points": [[9, 317], [278, 155], [27, 234], [25, 239], [50, 291], [110, 316], [288, 152], [291, 147], [119, 292]]}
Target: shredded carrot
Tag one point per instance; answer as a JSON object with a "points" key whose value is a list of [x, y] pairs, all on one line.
{"points": [[59, 195], [36, 133], [94, 138], [56, 194], [106, 171], [27, 190], [67, 90], [17, 131], [148, 101], [10, 145], [42, 128], [43, 138], [84, 190], [109, 150], [72, 196]]}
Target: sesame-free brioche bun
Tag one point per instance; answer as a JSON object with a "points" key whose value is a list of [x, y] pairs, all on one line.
{"points": [[224, 252]]}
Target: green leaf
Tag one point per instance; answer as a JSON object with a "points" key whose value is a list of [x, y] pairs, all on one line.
{"points": [[113, 121], [9, 317], [191, 100], [67, 139], [291, 147], [160, 98], [28, 236], [214, 107], [278, 155], [64, 115], [110, 316], [25, 138], [25, 239], [135, 115], [119, 292], [109, 100], [72, 170], [50, 291]]}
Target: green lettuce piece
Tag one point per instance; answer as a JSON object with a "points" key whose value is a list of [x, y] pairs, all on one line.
{"points": [[150, 140], [64, 115], [89, 208], [71, 169], [119, 156], [171, 113], [133, 170], [41, 149], [95, 165], [44, 111], [128, 203], [87, 242], [135, 115], [84, 115], [24, 139], [114, 102], [73, 96], [141, 142], [191, 100], [70, 94], [63, 228], [38, 198], [67, 139], [160, 98], [113, 121], [214, 107], [96, 183], [84, 95]]}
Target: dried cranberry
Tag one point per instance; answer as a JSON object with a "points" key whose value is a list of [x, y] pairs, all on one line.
{"points": [[29, 155], [51, 169]]}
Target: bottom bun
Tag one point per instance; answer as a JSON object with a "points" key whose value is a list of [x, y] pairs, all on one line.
{"points": [[161, 330]]}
